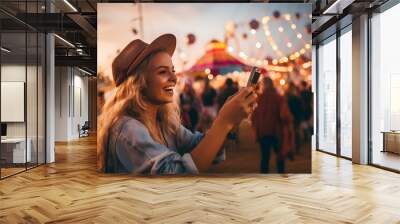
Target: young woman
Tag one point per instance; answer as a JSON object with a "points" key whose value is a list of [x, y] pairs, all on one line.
{"points": [[139, 128]]}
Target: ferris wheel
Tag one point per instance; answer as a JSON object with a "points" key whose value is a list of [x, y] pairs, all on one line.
{"points": [[276, 40]]}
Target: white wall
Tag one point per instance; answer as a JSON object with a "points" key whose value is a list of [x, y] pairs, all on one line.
{"points": [[71, 93], [61, 103], [13, 73]]}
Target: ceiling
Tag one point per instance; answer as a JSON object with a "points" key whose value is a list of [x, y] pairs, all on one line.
{"points": [[330, 15], [76, 22]]}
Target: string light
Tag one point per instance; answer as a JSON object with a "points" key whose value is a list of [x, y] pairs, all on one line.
{"points": [[182, 55], [243, 55], [294, 27], [299, 35], [271, 40], [306, 65], [265, 19], [281, 57]]}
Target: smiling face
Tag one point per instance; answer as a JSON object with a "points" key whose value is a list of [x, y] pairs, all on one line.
{"points": [[160, 79]]}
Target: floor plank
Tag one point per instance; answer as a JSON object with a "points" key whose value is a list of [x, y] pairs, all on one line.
{"points": [[71, 191]]}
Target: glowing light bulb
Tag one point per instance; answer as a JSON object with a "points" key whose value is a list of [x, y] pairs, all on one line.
{"points": [[253, 31], [274, 61], [282, 82], [258, 45], [207, 71], [299, 35], [280, 29], [265, 19], [293, 26], [289, 45]]}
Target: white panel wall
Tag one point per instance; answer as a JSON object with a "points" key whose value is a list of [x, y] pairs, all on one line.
{"points": [[16, 73], [71, 92], [12, 101]]}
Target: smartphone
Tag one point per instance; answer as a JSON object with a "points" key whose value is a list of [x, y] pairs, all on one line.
{"points": [[254, 76]]}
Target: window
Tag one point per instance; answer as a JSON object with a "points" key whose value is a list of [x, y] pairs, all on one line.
{"points": [[385, 89], [23, 77], [346, 93], [327, 96]]}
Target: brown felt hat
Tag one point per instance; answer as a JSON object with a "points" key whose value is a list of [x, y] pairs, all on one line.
{"points": [[136, 51]]}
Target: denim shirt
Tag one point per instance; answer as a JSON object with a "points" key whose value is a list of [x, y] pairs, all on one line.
{"points": [[132, 149]]}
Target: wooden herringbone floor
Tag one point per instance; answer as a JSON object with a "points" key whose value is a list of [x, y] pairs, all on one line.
{"points": [[70, 191]]}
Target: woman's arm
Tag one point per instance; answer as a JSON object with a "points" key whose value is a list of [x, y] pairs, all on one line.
{"points": [[233, 111], [140, 154], [205, 152]]}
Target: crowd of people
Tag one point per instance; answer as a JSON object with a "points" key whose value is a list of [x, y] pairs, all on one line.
{"points": [[282, 123]]}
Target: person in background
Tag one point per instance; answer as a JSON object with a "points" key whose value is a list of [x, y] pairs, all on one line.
{"points": [[190, 107], [296, 108], [228, 90], [209, 110], [307, 105], [271, 121]]}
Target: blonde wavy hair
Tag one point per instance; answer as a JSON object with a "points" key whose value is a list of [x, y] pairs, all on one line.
{"points": [[129, 99]]}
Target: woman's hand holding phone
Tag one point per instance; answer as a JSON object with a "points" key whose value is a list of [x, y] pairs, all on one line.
{"points": [[238, 107]]}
